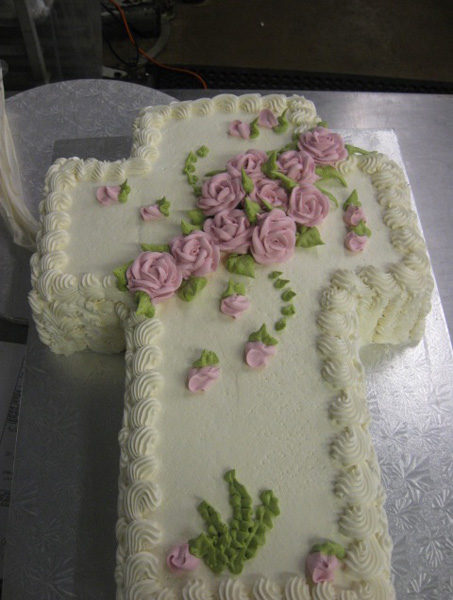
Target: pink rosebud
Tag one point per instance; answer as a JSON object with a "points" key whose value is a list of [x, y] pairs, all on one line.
{"points": [[322, 567], [273, 238], [200, 379], [179, 560], [154, 273], [234, 305], [239, 129], [220, 192], [354, 242], [353, 215], [250, 161], [151, 212], [307, 205], [267, 119], [326, 147], [298, 165], [258, 354], [196, 254], [231, 230], [108, 194]]}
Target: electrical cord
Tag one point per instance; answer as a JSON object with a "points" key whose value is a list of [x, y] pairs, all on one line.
{"points": [[149, 58]]}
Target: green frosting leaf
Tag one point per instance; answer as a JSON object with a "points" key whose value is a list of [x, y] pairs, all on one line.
{"points": [[275, 274], [288, 184], [234, 288], [307, 237], [229, 547], [196, 216], [282, 123], [288, 295], [187, 228], [202, 151], [191, 158], [191, 287], [289, 310], [352, 200], [120, 274], [125, 190], [207, 359], [323, 124], [164, 206], [155, 247], [144, 305], [326, 193], [355, 150], [252, 209], [280, 324], [270, 166], [241, 264], [254, 129], [215, 172], [330, 549], [280, 283], [328, 172], [289, 146], [247, 182], [196, 190], [361, 229], [262, 336]]}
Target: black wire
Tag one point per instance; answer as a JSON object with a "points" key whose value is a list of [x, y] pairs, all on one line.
{"points": [[137, 53]]}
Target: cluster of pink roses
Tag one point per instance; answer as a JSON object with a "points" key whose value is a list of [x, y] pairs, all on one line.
{"points": [[270, 237]]}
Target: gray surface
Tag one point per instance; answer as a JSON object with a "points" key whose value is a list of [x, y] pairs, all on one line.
{"points": [[61, 542]]}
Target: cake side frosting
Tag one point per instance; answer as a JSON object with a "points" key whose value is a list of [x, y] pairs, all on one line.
{"points": [[370, 304]]}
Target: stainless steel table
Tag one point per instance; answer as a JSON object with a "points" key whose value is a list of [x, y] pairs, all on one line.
{"points": [[61, 540]]}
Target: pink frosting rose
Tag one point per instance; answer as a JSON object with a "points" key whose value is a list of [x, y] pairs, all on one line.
{"points": [[326, 147], [258, 354], [250, 161], [322, 567], [151, 212], [108, 194], [353, 215], [234, 305], [298, 165], [155, 273], [195, 254], [270, 191], [267, 119], [220, 192], [354, 242], [307, 205], [230, 230], [274, 238], [239, 129], [200, 379], [179, 560]]}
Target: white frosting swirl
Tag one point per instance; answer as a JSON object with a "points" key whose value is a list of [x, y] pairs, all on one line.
{"points": [[348, 407], [232, 589], [140, 566], [250, 103], [357, 484], [358, 522], [142, 590], [146, 359], [351, 446], [296, 588], [265, 589], [141, 498], [141, 441], [143, 467], [145, 385], [324, 591], [142, 535], [196, 589], [144, 412], [365, 559], [226, 102]]}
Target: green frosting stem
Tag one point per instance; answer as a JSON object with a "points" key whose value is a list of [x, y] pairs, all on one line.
{"points": [[282, 123]]}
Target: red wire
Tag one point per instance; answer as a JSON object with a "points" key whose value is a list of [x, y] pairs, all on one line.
{"points": [[155, 62]]}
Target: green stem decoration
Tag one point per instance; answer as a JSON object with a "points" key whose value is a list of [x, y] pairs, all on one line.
{"points": [[229, 547]]}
